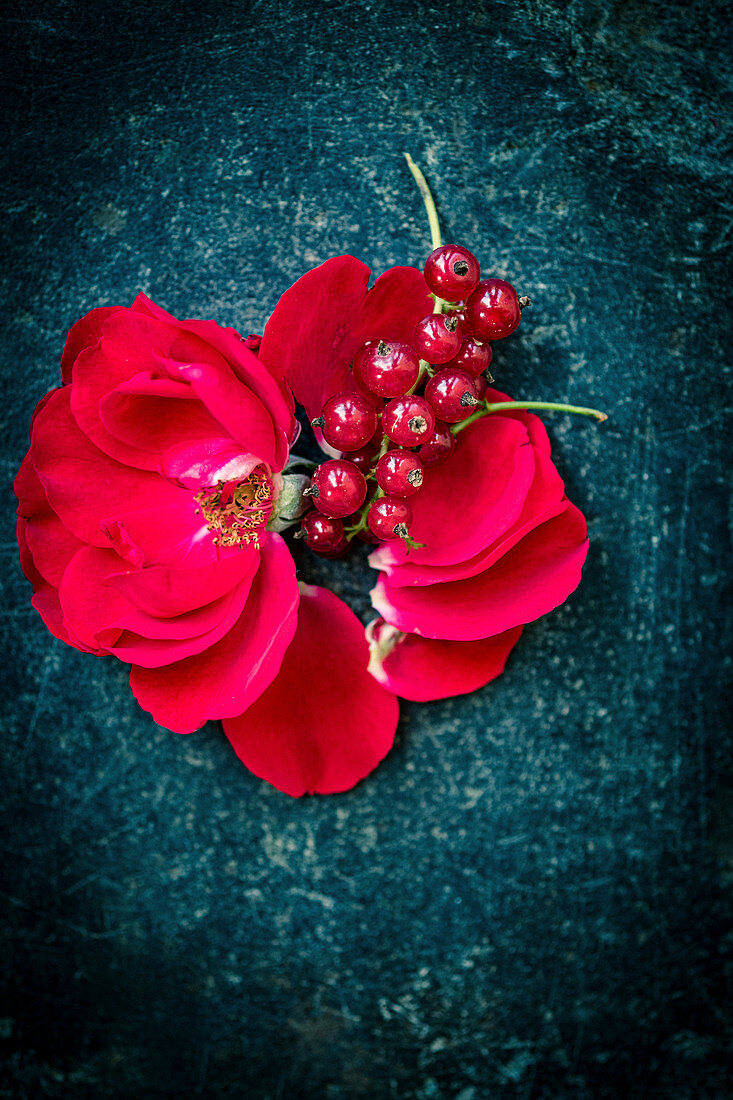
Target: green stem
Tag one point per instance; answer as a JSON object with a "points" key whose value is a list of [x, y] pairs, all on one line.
{"points": [[551, 406], [424, 369], [351, 532], [427, 198]]}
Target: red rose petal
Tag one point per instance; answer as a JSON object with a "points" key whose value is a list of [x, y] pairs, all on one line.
{"points": [[423, 669], [152, 643], [169, 534], [167, 591], [324, 723], [49, 543], [239, 412], [84, 334], [240, 354], [45, 597], [470, 500], [87, 603], [84, 486], [195, 465], [533, 578], [536, 430], [225, 679], [324, 318], [153, 414], [52, 546], [117, 356], [545, 499]]}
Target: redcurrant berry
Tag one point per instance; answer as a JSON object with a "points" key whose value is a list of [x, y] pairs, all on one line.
{"points": [[493, 310], [363, 459], [453, 395], [473, 356], [452, 272], [389, 518], [374, 400], [348, 421], [389, 369], [322, 533], [399, 473], [437, 337], [338, 551], [439, 447], [408, 421], [338, 488], [482, 384]]}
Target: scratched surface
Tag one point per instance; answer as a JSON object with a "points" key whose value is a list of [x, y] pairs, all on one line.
{"points": [[530, 897]]}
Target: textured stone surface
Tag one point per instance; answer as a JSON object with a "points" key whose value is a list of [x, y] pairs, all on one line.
{"points": [[528, 898]]}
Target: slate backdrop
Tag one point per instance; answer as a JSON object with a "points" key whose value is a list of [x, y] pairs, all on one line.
{"points": [[528, 898]]}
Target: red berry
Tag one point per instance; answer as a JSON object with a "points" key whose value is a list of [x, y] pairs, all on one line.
{"points": [[348, 421], [374, 400], [389, 369], [322, 533], [492, 311], [399, 473], [438, 447], [363, 459], [408, 420], [389, 518], [473, 356], [338, 488], [452, 272], [453, 395], [482, 384], [338, 551], [437, 337]]}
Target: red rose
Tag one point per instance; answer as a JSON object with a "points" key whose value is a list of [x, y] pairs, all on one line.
{"points": [[117, 492], [504, 545], [324, 318], [144, 505]]}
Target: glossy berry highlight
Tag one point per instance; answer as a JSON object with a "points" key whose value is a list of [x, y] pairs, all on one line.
{"points": [[452, 394], [493, 310], [408, 421], [323, 534], [389, 518], [348, 421], [437, 338], [452, 272], [399, 473], [338, 488], [386, 368], [474, 356]]}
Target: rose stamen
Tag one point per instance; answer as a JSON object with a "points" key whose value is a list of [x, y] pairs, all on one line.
{"points": [[237, 510]]}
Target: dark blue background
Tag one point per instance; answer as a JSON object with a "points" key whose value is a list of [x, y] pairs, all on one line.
{"points": [[527, 899]]}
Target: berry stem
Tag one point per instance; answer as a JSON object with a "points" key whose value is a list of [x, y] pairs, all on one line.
{"points": [[551, 406], [424, 369], [351, 532], [427, 198]]}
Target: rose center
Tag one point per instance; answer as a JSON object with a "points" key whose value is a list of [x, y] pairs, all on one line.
{"points": [[238, 511]]}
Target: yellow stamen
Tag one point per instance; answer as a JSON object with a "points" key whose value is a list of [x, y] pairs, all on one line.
{"points": [[237, 511]]}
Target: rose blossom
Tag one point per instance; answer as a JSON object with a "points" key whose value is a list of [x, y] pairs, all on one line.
{"points": [[144, 504], [504, 545]]}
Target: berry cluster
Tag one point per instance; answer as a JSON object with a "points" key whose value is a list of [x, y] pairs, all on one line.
{"points": [[391, 431]]}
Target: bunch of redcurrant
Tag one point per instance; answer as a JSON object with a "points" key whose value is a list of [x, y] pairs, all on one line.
{"points": [[390, 431]]}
